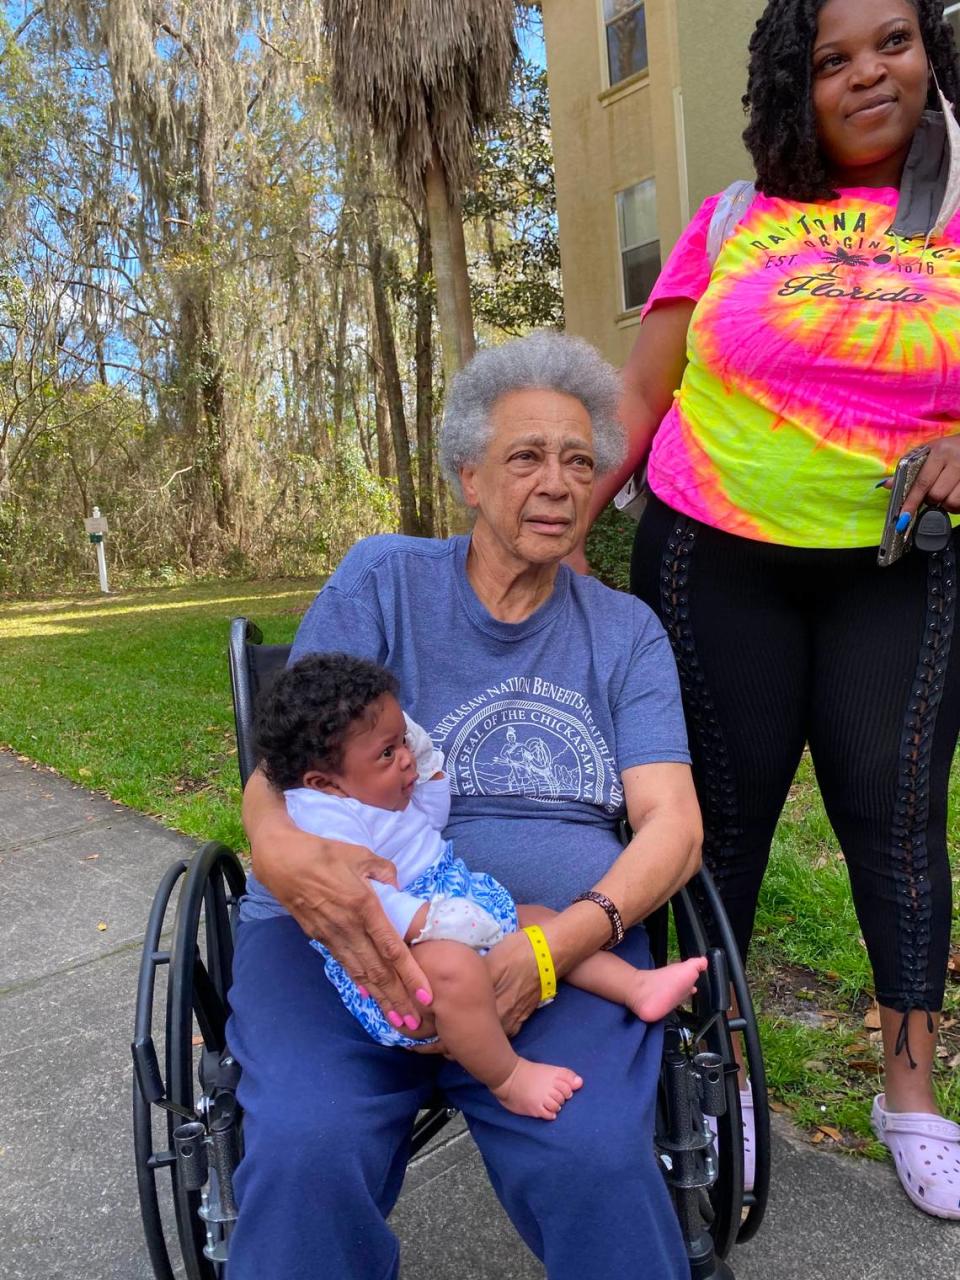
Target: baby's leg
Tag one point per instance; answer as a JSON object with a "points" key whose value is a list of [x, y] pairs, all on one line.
{"points": [[649, 993], [466, 1016]]}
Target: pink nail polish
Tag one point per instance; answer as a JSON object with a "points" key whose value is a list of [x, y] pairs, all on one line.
{"points": [[424, 996], [394, 1019], [363, 991], [411, 1021]]}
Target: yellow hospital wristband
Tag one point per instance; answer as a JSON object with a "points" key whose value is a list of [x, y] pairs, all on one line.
{"points": [[548, 975]]}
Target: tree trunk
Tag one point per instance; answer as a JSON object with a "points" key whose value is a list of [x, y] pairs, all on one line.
{"points": [[461, 280], [443, 502], [423, 355], [210, 360], [344, 303], [363, 431], [381, 420], [409, 520], [449, 263], [188, 417]]}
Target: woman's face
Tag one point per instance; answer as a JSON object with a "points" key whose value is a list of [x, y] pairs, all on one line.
{"points": [[870, 82], [531, 490]]}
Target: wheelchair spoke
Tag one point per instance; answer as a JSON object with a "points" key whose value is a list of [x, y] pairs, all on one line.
{"points": [[199, 974], [704, 1027]]}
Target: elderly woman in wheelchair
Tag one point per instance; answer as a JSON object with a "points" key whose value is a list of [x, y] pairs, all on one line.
{"points": [[553, 702], [354, 767]]}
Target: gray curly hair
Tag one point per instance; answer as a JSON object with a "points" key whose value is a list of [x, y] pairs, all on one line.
{"points": [[551, 361]]}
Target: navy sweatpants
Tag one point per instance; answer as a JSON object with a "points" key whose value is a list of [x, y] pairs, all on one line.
{"points": [[328, 1114]]}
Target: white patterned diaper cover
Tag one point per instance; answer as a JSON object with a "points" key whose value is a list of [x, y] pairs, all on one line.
{"points": [[443, 883]]}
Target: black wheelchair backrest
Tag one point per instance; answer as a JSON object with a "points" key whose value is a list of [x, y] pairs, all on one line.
{"points": [[253, 665]]}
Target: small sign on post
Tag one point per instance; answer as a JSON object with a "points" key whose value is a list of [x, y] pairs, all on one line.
{"points": [[96, 527]]}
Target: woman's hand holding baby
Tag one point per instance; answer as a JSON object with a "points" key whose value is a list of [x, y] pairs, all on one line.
{"points": [[324, 884], [516, 980]]}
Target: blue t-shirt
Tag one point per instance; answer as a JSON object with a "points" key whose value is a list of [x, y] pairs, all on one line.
{"points": [[535, 719]]}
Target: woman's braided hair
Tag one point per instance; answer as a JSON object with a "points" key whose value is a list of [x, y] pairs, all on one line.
{"points": [[781, 136]]}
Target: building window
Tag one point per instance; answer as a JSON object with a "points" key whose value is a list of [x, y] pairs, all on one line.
{"points": [[639, 242], [626, 29]]}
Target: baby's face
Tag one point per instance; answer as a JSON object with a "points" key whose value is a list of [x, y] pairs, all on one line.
{"points": [[378, 767]]}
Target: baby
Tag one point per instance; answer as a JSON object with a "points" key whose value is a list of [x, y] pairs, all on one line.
{"points": [[332, 736]]}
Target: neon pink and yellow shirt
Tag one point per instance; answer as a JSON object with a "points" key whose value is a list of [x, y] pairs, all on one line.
{"points": [[822, 348]]}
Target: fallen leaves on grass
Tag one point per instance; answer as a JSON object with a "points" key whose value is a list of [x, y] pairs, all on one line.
{"points": [[856, 1048], [871, 1019], [827, 1131]]}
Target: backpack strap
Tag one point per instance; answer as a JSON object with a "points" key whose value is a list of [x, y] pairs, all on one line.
{"points": [[732, 205]]}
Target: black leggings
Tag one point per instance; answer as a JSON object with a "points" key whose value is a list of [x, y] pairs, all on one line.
{"points": [[778, 646]]}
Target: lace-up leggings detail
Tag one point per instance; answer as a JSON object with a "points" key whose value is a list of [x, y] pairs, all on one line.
{"points": [[716, 790], [778, 647]]}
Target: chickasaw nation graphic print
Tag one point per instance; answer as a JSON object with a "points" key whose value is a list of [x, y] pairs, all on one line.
{"points": [[529, 737]]}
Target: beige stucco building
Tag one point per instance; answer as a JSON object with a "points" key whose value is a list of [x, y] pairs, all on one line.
{"points": [[646, 117]]}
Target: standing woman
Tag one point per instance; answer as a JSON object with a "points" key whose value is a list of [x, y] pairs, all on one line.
{"points": [[814, 342]]}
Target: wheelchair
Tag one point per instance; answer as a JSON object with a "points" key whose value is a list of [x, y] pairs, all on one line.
{"points": [[188, 1125]]}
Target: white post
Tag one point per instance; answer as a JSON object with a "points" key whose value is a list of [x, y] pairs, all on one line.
{"points": [[102, 569], [97, 539]]}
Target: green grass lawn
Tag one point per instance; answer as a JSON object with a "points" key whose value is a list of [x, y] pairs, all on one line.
{"points": [[129, 695], [811, 976]]}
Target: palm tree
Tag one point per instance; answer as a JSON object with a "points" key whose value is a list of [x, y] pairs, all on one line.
{"points": [[425, 77]]}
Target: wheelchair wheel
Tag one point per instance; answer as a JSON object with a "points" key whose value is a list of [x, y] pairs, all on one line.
{"points": [[198, 968], [743, 1024], [733, 1215]]}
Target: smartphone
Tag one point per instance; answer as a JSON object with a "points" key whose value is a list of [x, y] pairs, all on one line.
{"points": [[893, 545]]}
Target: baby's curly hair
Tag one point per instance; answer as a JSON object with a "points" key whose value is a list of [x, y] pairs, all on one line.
{"points": [[781, 136], [304, 718]]}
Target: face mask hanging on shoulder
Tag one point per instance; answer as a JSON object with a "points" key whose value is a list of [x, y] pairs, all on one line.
{"points": [[951, 196]]}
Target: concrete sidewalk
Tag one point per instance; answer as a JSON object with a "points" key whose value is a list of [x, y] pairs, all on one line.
{"points": [[71, 861]]}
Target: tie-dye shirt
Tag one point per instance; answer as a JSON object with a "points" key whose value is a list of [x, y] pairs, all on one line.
{"points": [[822, 348]]}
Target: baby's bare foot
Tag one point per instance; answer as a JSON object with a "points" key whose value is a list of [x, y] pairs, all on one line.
{"points": [[536, 1089], [656, 992]]}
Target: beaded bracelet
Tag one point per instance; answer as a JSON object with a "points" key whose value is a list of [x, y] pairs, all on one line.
{"points": [[613, 915]]}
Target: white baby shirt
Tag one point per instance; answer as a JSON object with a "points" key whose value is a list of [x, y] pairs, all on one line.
{"points": [[410, 838]]}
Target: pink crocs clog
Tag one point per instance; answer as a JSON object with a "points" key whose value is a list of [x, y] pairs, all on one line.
{"points": [[926, 1153]]}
